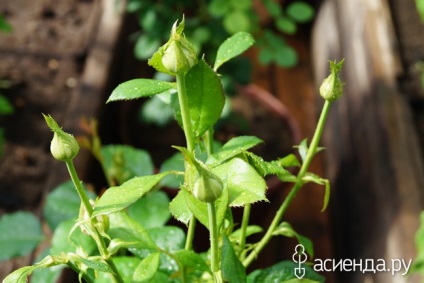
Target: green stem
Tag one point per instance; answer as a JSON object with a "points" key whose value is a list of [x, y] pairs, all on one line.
{"points": [[244, 224], [185, 112], [213, 232], [189, 136], [80, 190], [190, 233], [208, 138], [101, 245], [299, 182]]}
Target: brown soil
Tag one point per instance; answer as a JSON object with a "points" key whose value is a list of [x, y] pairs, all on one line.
{"points": [[42, 58]]}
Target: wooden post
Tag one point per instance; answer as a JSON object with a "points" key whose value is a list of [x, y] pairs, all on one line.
{"points": [[373, 159]]}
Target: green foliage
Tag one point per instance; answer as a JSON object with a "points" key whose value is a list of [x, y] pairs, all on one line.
{"points": [[124, 235], [20, 233], [420, 8], [4, 25]]}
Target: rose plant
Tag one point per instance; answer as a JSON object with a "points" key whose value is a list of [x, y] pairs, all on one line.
{"points": [[123, 236]]}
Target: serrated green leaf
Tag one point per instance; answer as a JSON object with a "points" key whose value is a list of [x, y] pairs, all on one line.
{"points": [[151, 210], [192, 260], [310, 177], [118, 198], [179, 209], [205, 95], [63, 203], [139, 88], [232, 148], [300, 11], [282, 272], [232, 47], [244, 184], [265, 168], [20, 232], [232, 269], [285, 229], [147, 268], [289, 161]]}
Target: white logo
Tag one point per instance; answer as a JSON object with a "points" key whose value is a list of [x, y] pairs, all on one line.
{"points": [[299, 257]]}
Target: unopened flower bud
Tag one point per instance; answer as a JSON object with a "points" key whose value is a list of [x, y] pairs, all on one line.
{"points": [[207, 187], [332, 87], [176, 56], [64, 147]]}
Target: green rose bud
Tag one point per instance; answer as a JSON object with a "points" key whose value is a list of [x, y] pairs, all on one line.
{"points": [[207, 186], [332, 87], [177, 56], [64, 146], [203, 184]]}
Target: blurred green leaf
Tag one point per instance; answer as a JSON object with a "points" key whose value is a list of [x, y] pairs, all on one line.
{"points": [[64, 242], [6, 107], [63, 203], [420, 8], [147, 268], [4, 25], [122, 162], [20, 233], [155, 111], [145, 46], [176, 163], [286, 25], [218, 8], [236, 21], [151, 210], [300, 11]]}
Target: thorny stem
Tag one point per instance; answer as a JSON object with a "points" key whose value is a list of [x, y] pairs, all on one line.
{"points": [[299, 182], [101, 245]]}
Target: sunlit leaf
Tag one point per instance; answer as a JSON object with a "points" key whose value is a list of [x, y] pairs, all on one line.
{"points": [[118, 198], [232, 47], [139, 88]]}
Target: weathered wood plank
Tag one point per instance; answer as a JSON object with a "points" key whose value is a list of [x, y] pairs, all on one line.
{"points": [[373, 160]]}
